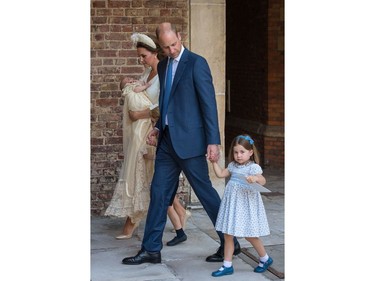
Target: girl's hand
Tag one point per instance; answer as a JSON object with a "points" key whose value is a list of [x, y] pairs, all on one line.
{"points": [[251, 179], [212, 160], [256, 178], [213, 153]]}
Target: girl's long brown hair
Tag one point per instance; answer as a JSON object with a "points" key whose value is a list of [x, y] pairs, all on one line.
{"points": [[245, 141]]}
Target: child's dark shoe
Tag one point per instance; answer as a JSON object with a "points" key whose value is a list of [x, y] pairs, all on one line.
{"points": [[223, 271], [266, 265]]}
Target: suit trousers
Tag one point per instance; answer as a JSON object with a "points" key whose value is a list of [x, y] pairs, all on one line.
{"points": [[168, 167]]}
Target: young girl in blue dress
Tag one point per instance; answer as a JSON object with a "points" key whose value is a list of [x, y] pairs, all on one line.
{"points": [[242, 212]]}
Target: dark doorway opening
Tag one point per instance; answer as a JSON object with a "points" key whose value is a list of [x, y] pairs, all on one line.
{"points": [[255, 76]]}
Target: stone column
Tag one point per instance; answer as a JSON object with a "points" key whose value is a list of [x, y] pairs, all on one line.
{"points": [[207, 38]]}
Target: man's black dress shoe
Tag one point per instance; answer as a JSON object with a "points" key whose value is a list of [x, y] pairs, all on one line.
{"points": [[143, 257], [177, 240], [219, 255]]}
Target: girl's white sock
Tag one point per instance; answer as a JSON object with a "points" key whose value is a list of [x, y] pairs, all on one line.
{"points": [[263, 259], [227, 263]]}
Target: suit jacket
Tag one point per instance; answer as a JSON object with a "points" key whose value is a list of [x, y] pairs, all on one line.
{"points": [[192, 109]]}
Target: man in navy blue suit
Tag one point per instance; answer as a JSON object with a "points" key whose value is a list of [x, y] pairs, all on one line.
{"points": [[188, 134]]}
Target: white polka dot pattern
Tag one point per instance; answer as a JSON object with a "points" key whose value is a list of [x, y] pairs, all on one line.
{"points": [[242, 212]]}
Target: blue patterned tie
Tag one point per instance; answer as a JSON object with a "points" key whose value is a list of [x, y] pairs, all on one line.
{"points": [[167, 90]]}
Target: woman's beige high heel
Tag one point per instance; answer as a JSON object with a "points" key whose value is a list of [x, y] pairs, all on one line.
{"points": [[124, 236], [187, 216], [127, 236]]}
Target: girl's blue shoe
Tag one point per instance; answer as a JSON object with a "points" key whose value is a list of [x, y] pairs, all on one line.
{"points": [[223, 271], [260, 269]]}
